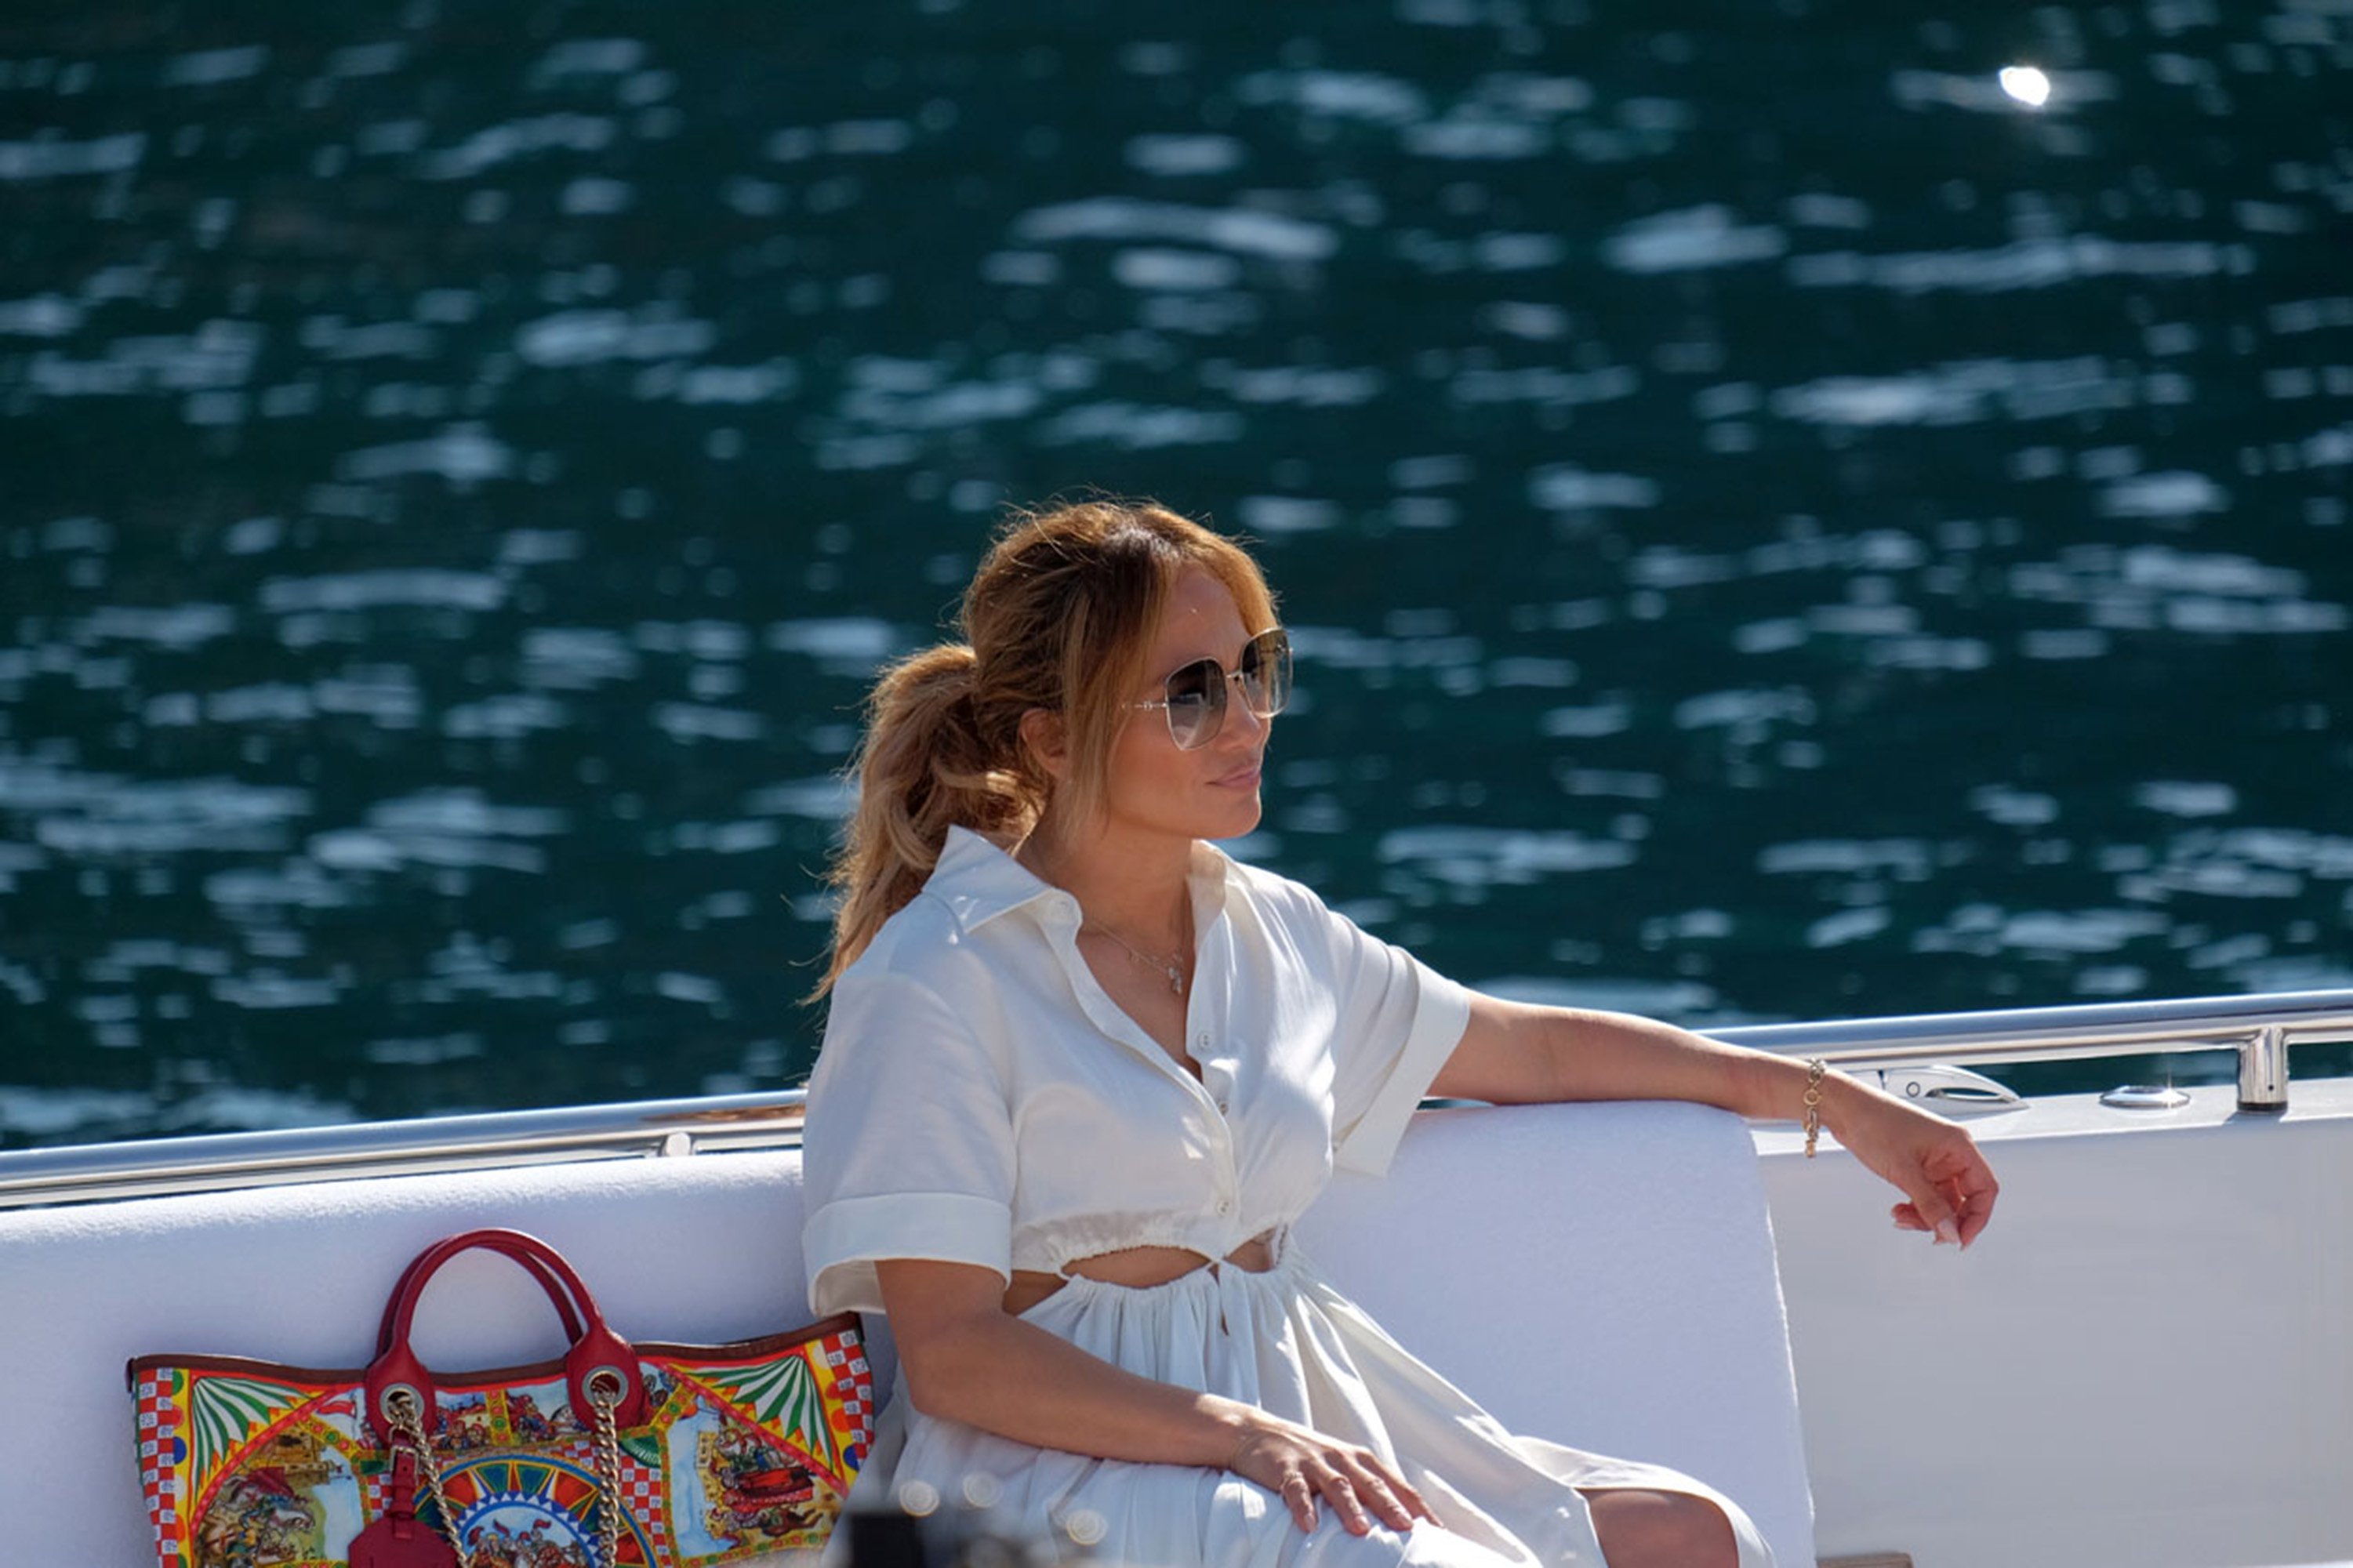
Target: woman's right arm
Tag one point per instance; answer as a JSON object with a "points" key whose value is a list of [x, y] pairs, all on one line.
{"points": [[967, 1360]]}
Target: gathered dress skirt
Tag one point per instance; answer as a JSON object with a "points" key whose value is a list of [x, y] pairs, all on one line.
{"points": [[1289, 1344]]}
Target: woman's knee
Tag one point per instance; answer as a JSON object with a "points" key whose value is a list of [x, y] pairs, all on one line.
{"points": [[1640, 1529]]}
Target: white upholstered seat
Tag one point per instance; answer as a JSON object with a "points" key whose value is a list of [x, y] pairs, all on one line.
{"points": [[1602, 1275]]}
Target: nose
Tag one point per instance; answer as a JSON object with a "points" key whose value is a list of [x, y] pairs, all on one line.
{"points": [[1240, 719]]}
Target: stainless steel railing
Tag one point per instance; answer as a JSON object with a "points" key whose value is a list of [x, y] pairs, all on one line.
{"points": [[2262, 1029], [640, 1130]]}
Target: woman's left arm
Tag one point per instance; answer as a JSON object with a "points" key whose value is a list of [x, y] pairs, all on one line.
{"points": [[1516, 1054]]}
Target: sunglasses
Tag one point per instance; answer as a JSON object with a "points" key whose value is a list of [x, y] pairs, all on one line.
{"points": [[1195, 702]]}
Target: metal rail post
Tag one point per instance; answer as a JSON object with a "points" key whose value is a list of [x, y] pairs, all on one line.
{"points": [[2263, 1070]]}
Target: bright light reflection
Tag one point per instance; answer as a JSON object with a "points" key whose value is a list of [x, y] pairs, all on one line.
{"points": [[2026, 84]]}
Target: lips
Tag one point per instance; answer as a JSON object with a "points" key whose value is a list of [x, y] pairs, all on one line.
{"points": [[1241, 778]]}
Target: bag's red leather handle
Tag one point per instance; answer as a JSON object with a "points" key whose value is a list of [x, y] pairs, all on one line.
{"points": [[598, 1355], [496, 1241]]}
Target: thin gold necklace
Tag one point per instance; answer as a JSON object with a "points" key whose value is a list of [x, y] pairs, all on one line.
{"points": [[1170, 967]]}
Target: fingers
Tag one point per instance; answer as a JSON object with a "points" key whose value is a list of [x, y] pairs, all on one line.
{"points": [[1385, 1492], [1936, 1214], [1952, 1196], [1966, 1183], [1404, 1491], [1357, 1493], [1361, 1487], [1978, 1191], [1299, 1496], [1340, 1491]]}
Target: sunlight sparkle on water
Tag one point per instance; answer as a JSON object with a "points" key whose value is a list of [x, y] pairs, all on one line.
{"points": [[2026, 84]]}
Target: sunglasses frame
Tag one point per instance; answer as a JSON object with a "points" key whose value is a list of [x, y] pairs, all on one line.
{"points": [[1218, 687]]}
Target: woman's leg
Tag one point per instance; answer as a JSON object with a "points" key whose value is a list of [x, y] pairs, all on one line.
{"points": [[1640, 1529]]}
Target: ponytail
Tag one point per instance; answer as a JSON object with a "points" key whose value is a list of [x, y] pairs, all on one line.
{"points": [[925, 767]]}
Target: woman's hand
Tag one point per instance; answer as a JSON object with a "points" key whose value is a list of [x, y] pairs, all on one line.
{"points": [[1948, 1186], [1299, 1465]]}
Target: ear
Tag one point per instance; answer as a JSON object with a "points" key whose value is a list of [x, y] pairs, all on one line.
{"points": [[1048, 738]]}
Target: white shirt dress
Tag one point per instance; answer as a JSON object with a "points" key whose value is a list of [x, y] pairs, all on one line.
{"points": [[980, 1099]]}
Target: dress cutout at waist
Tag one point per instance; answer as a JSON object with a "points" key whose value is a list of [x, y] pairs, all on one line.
{"points": [[1137, 1268]]}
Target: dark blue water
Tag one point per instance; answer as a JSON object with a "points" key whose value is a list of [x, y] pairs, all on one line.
{"points": [[1775, 526]]}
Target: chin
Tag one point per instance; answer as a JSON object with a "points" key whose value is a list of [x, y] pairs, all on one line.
{"points": [[1211, 814], [1234, 824]]}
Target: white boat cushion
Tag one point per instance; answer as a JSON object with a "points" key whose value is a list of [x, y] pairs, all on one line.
{"points": [[1602, 1276], [1599, 1274]]}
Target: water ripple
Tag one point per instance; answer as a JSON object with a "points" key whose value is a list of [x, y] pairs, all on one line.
{"points": [[461, 486]]}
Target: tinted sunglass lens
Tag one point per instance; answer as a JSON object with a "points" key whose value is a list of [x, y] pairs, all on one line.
{"points": [[1266, 673], [1196, 703]]}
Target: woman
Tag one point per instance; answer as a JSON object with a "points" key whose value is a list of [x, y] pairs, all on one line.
{"points": [[1082, 1071]]}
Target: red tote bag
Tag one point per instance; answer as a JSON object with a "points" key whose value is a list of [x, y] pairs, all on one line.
{"points": [[663, 1456]]}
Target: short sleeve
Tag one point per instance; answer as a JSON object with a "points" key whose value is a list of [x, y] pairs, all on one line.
{"points": [[908, 1152], [1400, 1020]]}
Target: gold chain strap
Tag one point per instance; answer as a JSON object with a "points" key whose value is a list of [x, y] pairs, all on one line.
{"points": [[604, 1392], [408, 1422], [1815, 1068]]}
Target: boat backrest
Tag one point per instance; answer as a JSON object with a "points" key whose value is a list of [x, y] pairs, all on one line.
{"points": [[1601, 1276]]}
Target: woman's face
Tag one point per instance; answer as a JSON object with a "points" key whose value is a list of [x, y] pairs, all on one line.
{"points": [[1211, 791]]}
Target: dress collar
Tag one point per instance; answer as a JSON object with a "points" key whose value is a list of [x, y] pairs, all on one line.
{"points": [[978, 880]]}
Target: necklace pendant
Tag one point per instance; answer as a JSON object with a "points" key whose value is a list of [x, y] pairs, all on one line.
{"points": [[1176, 980]]}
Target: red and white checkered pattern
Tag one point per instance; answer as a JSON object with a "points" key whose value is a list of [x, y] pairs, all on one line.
{"points": [[158, 1425]]}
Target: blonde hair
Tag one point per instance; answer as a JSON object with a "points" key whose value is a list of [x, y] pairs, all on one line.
{"points": [[1060, 616]]}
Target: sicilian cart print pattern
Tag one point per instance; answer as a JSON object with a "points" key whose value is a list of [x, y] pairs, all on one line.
{"points": [[746, 1449]]}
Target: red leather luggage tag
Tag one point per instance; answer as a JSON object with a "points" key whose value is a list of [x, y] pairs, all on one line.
{"points": [[380, 1546], [399, 1539]]}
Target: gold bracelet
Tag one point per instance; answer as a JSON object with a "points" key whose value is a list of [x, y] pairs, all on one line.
{"points": [[1815, 1068]]}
